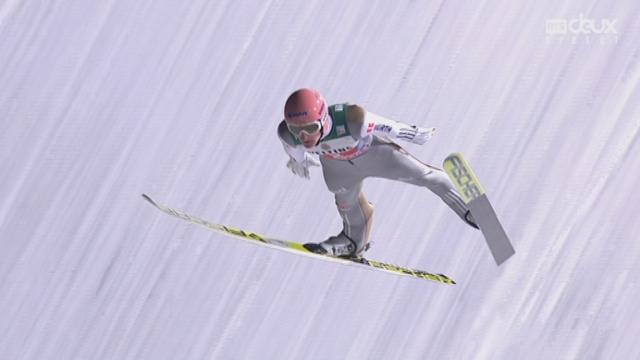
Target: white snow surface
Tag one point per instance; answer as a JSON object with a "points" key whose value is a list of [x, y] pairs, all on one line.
{"points": [[101, 101]]}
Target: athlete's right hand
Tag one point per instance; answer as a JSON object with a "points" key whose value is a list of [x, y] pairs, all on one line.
{"points": [[302, 168]]}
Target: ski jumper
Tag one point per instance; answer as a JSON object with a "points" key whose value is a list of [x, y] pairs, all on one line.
{"points": [[359, 146]]}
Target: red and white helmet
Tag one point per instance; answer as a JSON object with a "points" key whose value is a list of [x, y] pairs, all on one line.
{"points": [[305, 106]]}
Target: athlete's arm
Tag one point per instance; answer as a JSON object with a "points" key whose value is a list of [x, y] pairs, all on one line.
{"points": [[362, 123]]}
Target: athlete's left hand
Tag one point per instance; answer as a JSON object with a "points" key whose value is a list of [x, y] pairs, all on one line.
{"points": [[418, 135]]}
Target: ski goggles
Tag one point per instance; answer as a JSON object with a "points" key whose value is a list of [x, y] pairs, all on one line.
{"points": [[310, 129]]}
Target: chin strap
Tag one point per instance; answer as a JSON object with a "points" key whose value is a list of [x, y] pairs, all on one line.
{"points": [[322, 129], [321, 136]]}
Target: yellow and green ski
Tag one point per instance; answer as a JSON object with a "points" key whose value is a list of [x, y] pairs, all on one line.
{"points": [[473, 194], [297, 248]]}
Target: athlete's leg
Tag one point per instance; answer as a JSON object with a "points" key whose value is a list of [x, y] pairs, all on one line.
{"points": [[344, 180], [394, 162]]}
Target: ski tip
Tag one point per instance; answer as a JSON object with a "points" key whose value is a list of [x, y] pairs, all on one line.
{"points": [[454, 155], [463, 177], [146, 197]]}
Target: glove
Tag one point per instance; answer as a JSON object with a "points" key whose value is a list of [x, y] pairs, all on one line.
{"points": [[416, 134], [302, 168]]}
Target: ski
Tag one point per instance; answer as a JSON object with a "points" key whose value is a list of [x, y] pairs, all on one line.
{"points": [[298, 248], [473, 194]]}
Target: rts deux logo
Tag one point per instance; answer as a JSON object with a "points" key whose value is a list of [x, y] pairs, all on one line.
{"points": [[581, 26]]}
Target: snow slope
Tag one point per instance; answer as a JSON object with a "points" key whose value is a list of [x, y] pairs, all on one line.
{"points": [[101, 101]]}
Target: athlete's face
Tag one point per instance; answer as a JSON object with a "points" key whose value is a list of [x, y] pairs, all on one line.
{"points": [[309, 140], [308, 134]]}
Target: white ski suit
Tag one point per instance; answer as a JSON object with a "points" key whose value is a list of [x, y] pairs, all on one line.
{"points": [[360, 145]]}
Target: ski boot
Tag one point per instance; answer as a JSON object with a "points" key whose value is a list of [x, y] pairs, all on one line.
{"points": [[340, 245]]}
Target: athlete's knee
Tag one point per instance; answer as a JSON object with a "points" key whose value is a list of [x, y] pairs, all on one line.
{"points": [[346, 198], [438, 182], [357, 208]]}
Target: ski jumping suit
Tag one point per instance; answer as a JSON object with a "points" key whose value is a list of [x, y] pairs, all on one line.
{"points": [[355, 150]]}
